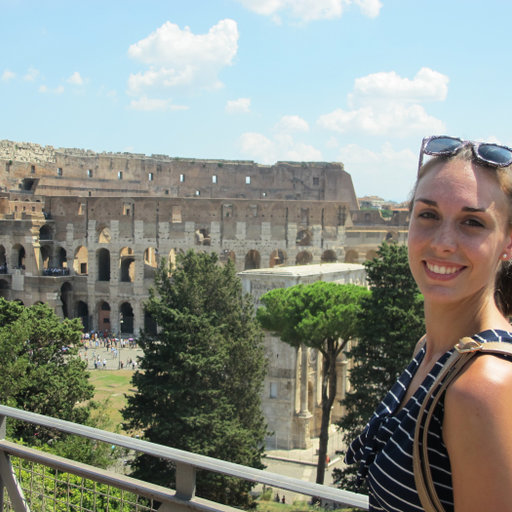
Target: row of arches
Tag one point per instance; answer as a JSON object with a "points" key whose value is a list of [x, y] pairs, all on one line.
{"points": [[56, 257]]}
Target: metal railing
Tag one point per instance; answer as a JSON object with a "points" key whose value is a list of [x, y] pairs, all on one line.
{"points": [[17, 466]]}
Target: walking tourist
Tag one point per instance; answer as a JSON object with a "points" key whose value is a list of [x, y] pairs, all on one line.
{"points": [[459, 457]]}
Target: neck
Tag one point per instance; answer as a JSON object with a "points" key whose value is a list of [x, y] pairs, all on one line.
{"points": [[447, 323]]}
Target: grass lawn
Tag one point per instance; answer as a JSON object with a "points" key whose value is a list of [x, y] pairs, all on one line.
{"points": [[114, 385]]}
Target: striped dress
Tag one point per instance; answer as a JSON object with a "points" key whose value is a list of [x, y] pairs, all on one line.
{"points": [[384, 449]]}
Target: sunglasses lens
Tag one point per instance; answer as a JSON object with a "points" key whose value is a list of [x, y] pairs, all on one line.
{"points": [[497, 155], [442, 145]]}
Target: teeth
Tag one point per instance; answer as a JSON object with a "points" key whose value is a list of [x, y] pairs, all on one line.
{"points": [[442, 270]]}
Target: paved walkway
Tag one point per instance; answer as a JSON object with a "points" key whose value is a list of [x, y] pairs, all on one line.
{"points": [[301, 464], [111, 359]]}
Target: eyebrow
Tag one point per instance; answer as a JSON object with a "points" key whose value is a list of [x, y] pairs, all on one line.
{"points": [[464, 208]]}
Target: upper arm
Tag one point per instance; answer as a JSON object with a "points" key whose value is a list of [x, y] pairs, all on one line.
{"points": [[477, 431]]}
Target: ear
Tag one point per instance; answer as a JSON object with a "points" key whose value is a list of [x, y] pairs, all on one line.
{"points": [[508, 248]]}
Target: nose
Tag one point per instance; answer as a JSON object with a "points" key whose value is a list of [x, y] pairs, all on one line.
{"points": [[444, 238]]}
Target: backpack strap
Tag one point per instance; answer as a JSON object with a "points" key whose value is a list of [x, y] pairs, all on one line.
{"points": [[464, 351]]}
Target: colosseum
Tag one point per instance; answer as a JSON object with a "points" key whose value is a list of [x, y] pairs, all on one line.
{"points": [[84, 231]]}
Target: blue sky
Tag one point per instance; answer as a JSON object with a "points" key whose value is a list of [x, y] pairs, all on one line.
{"points": [[353, 81]]}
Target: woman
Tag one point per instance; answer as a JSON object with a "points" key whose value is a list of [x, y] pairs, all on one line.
{"points": [[460, 244]]}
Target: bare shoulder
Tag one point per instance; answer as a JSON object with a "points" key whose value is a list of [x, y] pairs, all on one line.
{"points": [[486, 380], [476, 431]]}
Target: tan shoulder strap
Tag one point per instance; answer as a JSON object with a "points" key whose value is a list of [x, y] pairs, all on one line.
{"points": [[464, 351]]}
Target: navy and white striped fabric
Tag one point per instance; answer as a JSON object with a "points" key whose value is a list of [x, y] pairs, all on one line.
{"points": [[384, 449]]}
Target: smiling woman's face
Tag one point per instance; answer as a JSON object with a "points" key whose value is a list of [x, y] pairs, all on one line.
{"points": [[458, 232]]}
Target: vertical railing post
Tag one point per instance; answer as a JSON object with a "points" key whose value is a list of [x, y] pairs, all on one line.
{"points": [[3, 431], [185, 481]]}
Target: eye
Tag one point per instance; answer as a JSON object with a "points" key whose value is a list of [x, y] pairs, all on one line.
{"points": [[474, 223], [427, 215]]}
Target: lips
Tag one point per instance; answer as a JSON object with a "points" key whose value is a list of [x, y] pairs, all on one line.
{"points": [[444, 272]]}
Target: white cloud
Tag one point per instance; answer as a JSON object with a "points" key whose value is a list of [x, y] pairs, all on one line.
{"points": [[388, 104], [390, 172], [31, 74], [282, 147], [393, 119], [426, 85], [75, 79], [179, 58], [239, 106], [310, 10], [8, 75], [149, 104], [45, 90], [290, 124]]}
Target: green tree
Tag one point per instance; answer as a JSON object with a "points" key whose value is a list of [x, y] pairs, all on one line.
{"points": [[321, 316], [41, 369], [390, 324], [199, 383], [42, 372]]}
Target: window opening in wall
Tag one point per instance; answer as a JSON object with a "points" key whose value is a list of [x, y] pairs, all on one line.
{"points": [[32, 169], [89, 173], [81, 208], [120, 175], [150, 176], [182, 178], [59, 171], [197, 193], [176, 214], [247, 180], [316, 180], [273, 390], [214, 178], [263, 194], [127, 208]]}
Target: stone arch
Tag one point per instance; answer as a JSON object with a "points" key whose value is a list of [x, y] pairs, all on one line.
{"points": [[62, 257], [171, 259], [371, 254], [202, 236], [127, 265], [3, 258], [329, 256], [252, 260], [126, 318], [80, 261], [104, 316], [66, 296], [227, 255], [277, 258], [104, 235], [351, 256], [103, 261], [303, 258], [45, 232], [18, 256], [4, 289], [46, 252], [150, 262], [392, 237], [304, 237], [82, 312]]}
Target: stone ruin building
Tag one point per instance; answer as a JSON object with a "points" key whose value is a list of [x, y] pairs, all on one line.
{"points": [[84, 231]]}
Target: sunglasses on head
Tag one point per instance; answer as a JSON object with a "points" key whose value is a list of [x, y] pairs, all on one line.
{"points": [[485, 153]]}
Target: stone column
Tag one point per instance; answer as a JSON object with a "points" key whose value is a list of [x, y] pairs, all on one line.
{"points": [[304, 416]]}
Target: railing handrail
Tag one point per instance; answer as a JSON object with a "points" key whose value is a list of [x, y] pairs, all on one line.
{"points": [[192, 459]]}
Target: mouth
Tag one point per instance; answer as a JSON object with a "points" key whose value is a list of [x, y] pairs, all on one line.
{"points": [[443, 272]]}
